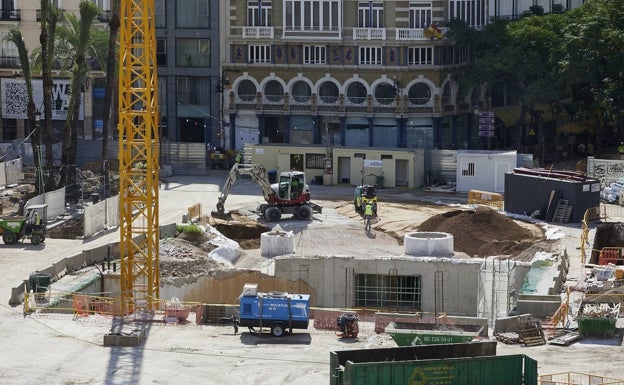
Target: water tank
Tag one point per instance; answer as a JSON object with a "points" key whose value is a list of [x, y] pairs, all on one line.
{"points": [[428, 244], [39, 282]]}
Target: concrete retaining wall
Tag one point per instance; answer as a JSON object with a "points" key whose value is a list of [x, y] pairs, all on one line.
{"points": [[333, 279], [90, 257]]}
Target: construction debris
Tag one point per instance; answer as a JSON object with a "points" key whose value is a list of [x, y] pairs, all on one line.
{"points": [[600, 310]]}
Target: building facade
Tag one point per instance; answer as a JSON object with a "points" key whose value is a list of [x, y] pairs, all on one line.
{"points": [[331, 72], [188, 69], [356, 74]]}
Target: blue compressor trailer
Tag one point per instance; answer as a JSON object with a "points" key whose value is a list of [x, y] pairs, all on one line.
{"points": [[275, 310]]}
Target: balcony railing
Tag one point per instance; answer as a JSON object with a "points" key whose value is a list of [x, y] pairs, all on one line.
{"points": [[10, 14], [258, 32], [369, 34], [10, 62], [410, 34]]}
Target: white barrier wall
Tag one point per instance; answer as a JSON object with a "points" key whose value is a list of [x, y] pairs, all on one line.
{"points": [[11, 172], [607, 170], [55, 201], [101, 216]]}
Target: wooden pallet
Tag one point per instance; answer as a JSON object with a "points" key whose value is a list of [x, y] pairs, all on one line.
{"points": [[562, 212], [530, 331]]}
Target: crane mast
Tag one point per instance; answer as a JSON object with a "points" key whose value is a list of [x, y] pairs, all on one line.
{"points": [[138, 157]]}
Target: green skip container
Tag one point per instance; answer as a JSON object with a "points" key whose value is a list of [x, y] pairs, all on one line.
{"points": [[598, 319]]}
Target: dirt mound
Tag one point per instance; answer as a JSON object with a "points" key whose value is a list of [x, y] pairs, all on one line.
{"points": [[183, 258], [482, 232], [241, 229]]}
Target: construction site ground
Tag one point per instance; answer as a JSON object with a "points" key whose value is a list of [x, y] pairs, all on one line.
{"points": [[54, 348]]}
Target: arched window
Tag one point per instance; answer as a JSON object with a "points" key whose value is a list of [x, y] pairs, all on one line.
{"points": [[246, 90], [356, 93], [274, 91], [328, 93], [419, 94], [301, 92], [385, 93]]}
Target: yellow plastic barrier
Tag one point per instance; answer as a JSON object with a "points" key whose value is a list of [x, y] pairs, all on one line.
{"points": [[486, 198]]}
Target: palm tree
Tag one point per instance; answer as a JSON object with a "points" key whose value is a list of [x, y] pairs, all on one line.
{"points": [[15, 36], [49, 19], [111, 67], [111, 80], [76, 33]]}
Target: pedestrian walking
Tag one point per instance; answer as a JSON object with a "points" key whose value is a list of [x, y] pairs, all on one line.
{"points": [[235, 324], [368, 214]]}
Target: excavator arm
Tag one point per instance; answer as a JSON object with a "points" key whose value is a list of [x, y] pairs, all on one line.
{"points": [[258, 174]]}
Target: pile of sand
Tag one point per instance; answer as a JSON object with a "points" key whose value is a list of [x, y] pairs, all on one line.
{"points": [[482, 232]]}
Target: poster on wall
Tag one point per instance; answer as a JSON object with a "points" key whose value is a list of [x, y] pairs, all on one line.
{"points": [[15, 98]]}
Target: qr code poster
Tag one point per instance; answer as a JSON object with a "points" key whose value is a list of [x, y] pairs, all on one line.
{"points": [[15, 98]]}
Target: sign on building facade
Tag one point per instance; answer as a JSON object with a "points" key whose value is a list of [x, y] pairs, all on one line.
{"points": [[15, 98]]}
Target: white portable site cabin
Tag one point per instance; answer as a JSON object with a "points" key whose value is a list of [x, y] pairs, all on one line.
{"points": [[484, 170]]}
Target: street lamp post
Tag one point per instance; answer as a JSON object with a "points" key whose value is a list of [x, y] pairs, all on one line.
{"points": [[476, 114], [221, 88], [396, 84], [40, 152]]}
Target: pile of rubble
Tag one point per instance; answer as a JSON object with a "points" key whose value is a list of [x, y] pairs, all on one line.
{"points": [[14, 196]]}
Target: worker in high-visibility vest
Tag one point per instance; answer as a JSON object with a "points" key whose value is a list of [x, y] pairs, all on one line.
{"points": [[294, 188], [238, 157], [368, 214]]}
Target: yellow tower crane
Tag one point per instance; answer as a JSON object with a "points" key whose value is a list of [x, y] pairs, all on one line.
{"points": [[138, 157]]}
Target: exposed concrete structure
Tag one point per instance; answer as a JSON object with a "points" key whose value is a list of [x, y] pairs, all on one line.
{"points": [[333, 278], [541, 306]]}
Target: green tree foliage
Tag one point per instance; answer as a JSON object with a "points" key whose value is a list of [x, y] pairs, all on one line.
{"points": [[592, 50], [562, 60], [77, 34], [49, 19]]}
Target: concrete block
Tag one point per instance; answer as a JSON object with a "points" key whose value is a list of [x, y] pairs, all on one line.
{"points": [[538, 305], [134, 338], [506, 325]]}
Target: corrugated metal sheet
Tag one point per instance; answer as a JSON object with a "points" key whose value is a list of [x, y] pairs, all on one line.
{"points": [[187, 156], [91, 151], [441, 163], [524, 194]]}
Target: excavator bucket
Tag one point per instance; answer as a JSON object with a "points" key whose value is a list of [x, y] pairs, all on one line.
{"points": [[221, 215], [220, 212]]}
